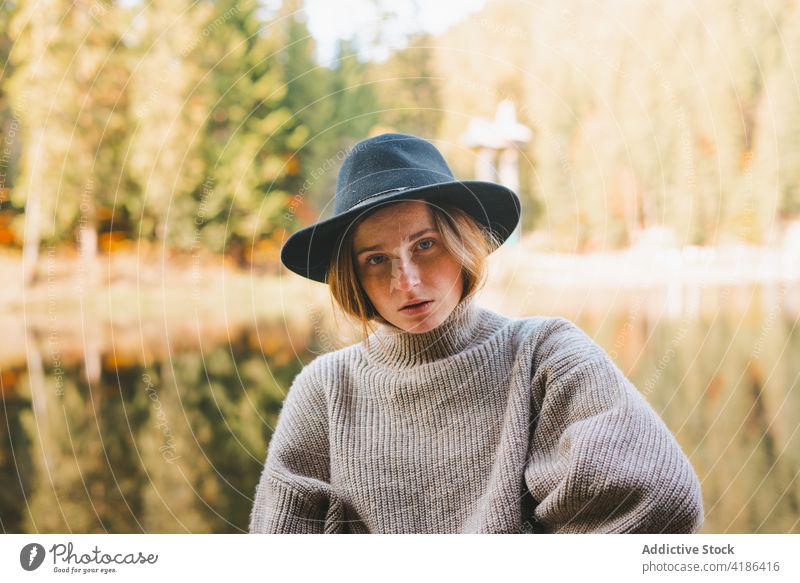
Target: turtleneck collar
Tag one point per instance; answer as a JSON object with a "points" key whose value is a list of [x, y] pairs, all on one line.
{"points": [[465, 326]]}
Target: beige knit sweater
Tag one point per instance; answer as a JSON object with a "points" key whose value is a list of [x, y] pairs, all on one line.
{"points": [[485, 424]]}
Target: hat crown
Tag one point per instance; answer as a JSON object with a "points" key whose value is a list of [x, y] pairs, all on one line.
{"points": [[388, 163]]}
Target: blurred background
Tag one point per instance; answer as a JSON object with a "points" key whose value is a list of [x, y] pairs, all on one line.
{"points": [[155, 155]]}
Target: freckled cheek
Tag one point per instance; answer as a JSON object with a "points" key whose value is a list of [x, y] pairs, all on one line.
{"points": [[445, 267], [377, 286]]}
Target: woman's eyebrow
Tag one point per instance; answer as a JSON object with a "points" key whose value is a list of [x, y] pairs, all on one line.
{"points": [[414, 236]]}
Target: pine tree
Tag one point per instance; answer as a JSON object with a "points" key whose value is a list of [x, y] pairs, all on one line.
{"points": [[251, 135], [167, 115], [69, 87]]}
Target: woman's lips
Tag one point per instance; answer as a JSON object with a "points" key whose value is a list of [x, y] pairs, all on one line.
{"points": [[417, 308]]}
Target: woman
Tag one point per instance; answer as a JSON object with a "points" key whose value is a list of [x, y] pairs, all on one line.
{"points": [[451, 417]]}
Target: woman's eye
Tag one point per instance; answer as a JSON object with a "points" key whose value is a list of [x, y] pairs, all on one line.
{"points": [[423, 245]]}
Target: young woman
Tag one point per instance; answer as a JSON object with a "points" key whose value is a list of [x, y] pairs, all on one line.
{"points": [[450, 417]]}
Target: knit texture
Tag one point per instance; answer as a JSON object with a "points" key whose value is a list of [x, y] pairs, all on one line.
{"points": [[486, 424]]}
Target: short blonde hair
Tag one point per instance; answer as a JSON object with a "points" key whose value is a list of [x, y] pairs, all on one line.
{"points": [[462, 236]]}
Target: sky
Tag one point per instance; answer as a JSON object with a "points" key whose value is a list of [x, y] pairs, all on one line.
{"points": [[329, 20]]}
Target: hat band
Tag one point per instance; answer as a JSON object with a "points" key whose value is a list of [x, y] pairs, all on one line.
{"points": [[381, 193]]}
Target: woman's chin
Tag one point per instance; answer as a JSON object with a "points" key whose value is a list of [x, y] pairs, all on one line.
{"points": [[420, 327]]}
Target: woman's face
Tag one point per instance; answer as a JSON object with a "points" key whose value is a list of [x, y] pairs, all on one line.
{"points": [[401, 261]]}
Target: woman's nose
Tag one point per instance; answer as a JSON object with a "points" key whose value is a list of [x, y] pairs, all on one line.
{"points": [[405, 274]]}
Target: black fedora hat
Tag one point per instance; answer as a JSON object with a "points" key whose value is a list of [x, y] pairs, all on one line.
{"points": [[390, 168]]}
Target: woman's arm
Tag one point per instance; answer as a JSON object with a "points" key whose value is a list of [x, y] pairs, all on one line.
{"points": [[601, 459], [294, 494]]}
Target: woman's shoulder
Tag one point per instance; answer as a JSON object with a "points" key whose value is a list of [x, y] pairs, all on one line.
{"points": [[537, 327], [548, 336], [328, 365]]}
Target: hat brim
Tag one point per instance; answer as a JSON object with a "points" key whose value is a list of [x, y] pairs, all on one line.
{"points": [[308, 251]]}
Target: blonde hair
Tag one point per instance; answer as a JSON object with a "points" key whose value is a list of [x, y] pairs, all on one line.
{"points": [[462, 236]]}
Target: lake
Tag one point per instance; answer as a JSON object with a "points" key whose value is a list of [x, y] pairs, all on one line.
{"points": [[114, 424]]}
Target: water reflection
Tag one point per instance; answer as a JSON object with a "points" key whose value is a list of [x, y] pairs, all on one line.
{"points": [[173, 444], [138, 428]]}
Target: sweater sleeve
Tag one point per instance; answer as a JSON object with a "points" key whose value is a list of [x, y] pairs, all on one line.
{"points": [[601, 459], [294, 494]]}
